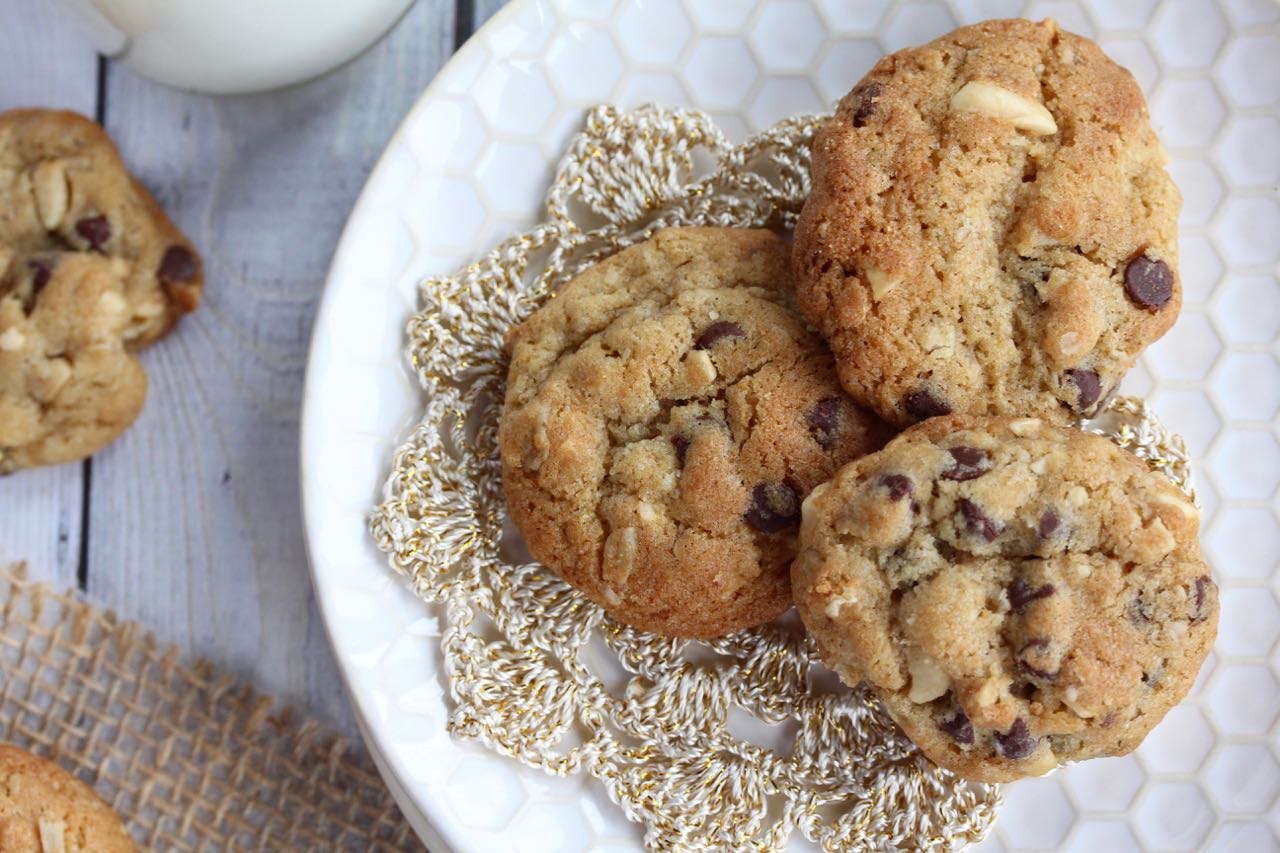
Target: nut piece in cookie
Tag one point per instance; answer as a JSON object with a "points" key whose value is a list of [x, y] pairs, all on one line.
{"points": [[64, 188], [68, 384], [1018, 594], [991, 228], [44, 809], [666, 414], [91, 270]]}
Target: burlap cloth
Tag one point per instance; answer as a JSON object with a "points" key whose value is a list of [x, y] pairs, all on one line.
{"points": [[191, 759]]}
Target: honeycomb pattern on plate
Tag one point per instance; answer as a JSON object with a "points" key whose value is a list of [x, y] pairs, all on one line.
{"points": [[470, 166]]}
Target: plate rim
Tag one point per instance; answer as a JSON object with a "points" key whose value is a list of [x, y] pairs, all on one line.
{"points": [[435, 836], [436, 818]]}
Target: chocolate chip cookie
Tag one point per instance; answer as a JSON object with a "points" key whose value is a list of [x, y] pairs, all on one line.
{"points": [[68, 384], [1018, 594], [91, 270], [666, 413], [63, 187], [43, 808], [991, 228]]}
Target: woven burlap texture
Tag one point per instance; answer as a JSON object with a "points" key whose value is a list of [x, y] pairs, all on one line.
{"points": [[191, 759]]}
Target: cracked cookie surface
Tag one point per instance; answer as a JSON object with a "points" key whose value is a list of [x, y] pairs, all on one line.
{"points": [[44, 808], [991, 228], [91, 270], [1018, 594], [665, 415]]}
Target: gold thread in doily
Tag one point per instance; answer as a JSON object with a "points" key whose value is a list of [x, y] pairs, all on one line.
{"points": [[656, 722]]}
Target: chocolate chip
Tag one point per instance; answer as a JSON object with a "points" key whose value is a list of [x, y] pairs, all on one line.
{"points": [[969, 464], [1021, 594], [958, 726], [824, 422], [1024, 690], [774, 507], [1202, 584], [1049, 522], [1088, 386], [681, 444], [922, 405], [1140, 611], [1023, 666], [178, 265], [865, 96], [717, 332], [40, 274], [1201, 592], [1016, 743], [1148, 282], [946, 550], [1037, 645], [95, 229], [899, 486], [979, 522]]}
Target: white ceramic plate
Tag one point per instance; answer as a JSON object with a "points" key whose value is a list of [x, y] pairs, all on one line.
{"points": [[469, 166]]}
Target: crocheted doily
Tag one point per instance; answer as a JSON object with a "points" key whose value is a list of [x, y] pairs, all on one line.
{"points": [[735, 743]]}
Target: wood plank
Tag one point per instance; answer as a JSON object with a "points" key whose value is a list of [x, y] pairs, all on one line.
{"points": [[40, 522], [194, 513], [44, 59], [44, 62], [482, 10]]}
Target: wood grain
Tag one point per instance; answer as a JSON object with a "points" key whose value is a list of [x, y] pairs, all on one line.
{"points": [[44, 62], [482, 10], [194, 514], [193, 519]]}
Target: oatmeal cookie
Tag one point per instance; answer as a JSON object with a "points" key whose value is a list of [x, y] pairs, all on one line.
{"points": [[68, 383], [43, 808], [991, 228], [91, 270], [666, 413], [1018, 594], [64, 188]]}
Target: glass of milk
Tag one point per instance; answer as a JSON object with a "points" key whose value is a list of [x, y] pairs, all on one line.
{"points": [[234, 46]]}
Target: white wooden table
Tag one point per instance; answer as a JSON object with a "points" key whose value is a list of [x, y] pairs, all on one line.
{"points": [[191, 523]]}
